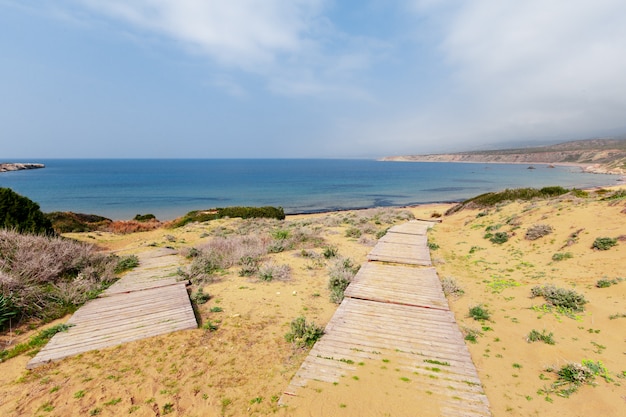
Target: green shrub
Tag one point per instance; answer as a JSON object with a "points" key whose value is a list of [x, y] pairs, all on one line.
{"points": [[144, 217], [562, 256], [126, 263], [242, 212], [579, 193], [499, 238], [560, 297], [494, 198], [535, 336], [604, 243], [22, 214], [200, 297], [303, 334], [353, 232], [68, 222], [249, 266], [479, 312], [433, 246], [605, 283]]}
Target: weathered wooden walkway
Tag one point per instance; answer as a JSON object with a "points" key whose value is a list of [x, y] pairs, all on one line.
{"points": [[147, 301], [396, 309]]}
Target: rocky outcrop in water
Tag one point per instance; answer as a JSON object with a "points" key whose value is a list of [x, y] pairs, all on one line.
{"points": [[17, 166]]}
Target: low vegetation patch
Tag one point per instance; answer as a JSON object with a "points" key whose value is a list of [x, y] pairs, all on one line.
{"points": [[536, 336], [494, 198], [22, 215], [451, 288], [237, 211], [561, 256], [479, 312], [68, 222], [604, 243], [126, 263], [303, 334], [34, 343], [340, 274], [568, 300], [46, 277], [538, 231], [572, 376]]}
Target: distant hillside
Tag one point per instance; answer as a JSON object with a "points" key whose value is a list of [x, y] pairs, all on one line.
{"points": [[596, 155]]}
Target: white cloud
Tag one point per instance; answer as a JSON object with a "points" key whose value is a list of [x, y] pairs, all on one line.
{"points": [[243, 33]]}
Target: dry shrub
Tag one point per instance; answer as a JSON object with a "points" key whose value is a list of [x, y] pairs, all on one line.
{"points": [[132, 226], [537, 231], [45, 277]]}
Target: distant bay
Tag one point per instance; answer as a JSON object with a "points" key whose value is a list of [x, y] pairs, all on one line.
{"points": [[168, 188]]}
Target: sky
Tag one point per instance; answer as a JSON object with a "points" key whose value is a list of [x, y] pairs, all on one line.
{"points": [[306, 78]]}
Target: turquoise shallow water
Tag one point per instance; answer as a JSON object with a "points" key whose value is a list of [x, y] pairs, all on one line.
{"points": [[168, 188]]}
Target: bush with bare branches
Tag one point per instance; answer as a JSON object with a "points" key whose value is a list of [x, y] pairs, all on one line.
{"points": [[45, 277]]}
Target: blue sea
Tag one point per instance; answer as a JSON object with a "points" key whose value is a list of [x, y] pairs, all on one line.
{"points": [[169, 188]]}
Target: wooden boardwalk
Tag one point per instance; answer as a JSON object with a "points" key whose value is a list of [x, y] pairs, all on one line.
{"points": [[147, 301], [396, 310]]}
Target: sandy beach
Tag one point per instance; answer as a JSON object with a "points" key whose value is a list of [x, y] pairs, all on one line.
{"points": [[242, 367]]}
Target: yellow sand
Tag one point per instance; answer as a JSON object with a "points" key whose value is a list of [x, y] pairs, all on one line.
{"points": [[242, 368]]}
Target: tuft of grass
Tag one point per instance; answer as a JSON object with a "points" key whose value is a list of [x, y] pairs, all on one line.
{"points": [[303, 334], [126, 263], [535, 336], [451, 288], [562, 256], [479, 312]]}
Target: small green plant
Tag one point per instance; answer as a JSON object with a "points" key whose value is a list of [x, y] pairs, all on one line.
{"points": [[330, 252], [605, 283], [209, 326], [562, 256], [79, 394], [126, 263], [113, 401], [471, 335], [7, 309], [479, 312], [499, 238], [433, 246], [216, 309], [303, 334], [604, 243], [95, 411], [200, 297], [168, 408], [535, 336]]}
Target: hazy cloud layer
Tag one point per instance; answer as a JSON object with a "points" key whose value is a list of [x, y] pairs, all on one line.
{"points": [[312, 77]]}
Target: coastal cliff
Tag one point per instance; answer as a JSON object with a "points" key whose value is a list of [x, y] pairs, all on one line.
{"points": [[603, 156], [16, 166]]}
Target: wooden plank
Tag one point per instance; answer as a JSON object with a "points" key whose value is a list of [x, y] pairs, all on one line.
{"points": [[398, 312], [137, 307]]}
